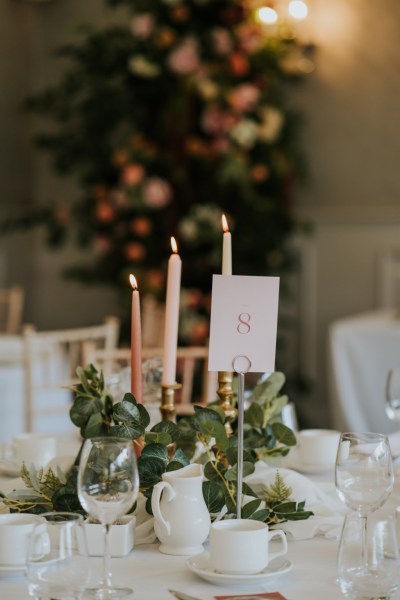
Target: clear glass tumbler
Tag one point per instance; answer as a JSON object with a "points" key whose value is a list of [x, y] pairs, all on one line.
{"points": [[58, 565], [380, 577]]}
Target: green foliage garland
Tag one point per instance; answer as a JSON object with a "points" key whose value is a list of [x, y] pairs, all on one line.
{"points": [[169, 446]]}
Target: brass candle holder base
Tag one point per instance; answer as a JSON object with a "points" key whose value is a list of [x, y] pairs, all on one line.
{"points": [[168, 401], [226, 396]]}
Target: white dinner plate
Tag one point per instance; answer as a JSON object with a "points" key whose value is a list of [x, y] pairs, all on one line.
{"points": [[200, 565]]}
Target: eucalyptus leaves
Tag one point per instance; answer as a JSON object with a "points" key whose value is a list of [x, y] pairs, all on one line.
{"points": [[169, 446]]}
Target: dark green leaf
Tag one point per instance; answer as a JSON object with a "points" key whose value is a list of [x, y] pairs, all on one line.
{"points": [[214, 496], [283, 434]]}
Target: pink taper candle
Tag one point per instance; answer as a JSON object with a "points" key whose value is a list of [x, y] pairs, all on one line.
{"points": [[136, 343], [226, 248], [172, 316]]}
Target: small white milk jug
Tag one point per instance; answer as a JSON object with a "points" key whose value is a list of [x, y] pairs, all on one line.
{"points": [[181, 518]]}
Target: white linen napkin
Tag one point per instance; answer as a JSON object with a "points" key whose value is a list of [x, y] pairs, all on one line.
{"points": [[144, 530], [328, 511]]}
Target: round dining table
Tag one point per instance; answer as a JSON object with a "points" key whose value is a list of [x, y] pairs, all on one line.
{"points": [[151, 574]]}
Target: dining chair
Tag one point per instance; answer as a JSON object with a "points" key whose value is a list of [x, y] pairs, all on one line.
{"points": [[11, 307], [199, 386], [153, 319], [50, 360]]}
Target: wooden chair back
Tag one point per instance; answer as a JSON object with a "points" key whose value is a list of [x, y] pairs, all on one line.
{"points": [[198, 384], [50, 362], [11, 307]]}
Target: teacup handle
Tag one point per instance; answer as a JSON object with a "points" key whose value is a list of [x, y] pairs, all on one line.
{"points": [[281, 534], [155, 504], [40, 544]]}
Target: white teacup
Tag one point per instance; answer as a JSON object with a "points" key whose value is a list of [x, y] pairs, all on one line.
{"points": [[240, 546], [15, 532], [34, 448], [318, 446]]}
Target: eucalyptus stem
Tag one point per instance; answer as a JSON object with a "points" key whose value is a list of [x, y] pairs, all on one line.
{"points": [[213, 463]]}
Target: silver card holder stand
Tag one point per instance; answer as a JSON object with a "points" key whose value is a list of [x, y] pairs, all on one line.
{"points": [[241, 365]]}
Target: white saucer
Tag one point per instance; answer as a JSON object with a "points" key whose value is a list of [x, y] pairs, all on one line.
{"points": [[11, 571], [200, 565], [294, 462], [10, 468]]}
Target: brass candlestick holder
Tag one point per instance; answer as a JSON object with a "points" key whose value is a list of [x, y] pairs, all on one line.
{"points": [[168, 401], [226, 396]]}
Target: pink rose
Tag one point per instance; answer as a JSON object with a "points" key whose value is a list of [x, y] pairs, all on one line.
{"points": [[214, 121], [184, 59], [132, 174], [251, 37], [102, 244], [239, 64], [134, 251], [142, 226], [222, 41], [143, 25], [157, 192], [104, 212], [244, 97]]}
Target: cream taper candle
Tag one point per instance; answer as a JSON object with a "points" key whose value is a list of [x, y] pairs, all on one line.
{"points": [[136, 344], [226, 248], [172, 316]]}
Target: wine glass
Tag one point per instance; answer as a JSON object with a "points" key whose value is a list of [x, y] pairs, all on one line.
{"points": [[392, 404], [108, 484], [364, 475]]}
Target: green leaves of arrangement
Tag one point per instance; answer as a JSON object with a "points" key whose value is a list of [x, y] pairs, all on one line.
{"points": [[169, 446]]}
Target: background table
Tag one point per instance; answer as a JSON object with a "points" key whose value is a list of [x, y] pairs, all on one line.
{"points": [[12, 393], [362, 349]]}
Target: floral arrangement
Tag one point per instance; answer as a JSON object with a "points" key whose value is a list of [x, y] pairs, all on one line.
{"points": [[169, 446], [167, 120]]}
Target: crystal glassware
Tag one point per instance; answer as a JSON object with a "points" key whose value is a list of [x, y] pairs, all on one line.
{"points": [[382, 578], [108, 484], [57, 564], [364, 475]]}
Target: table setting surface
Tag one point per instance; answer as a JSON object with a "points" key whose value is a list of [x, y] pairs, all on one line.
{"points": [[307, 571]]}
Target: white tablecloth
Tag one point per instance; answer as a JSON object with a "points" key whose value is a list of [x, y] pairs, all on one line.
{"points": [[362, 349], [152, 573]]}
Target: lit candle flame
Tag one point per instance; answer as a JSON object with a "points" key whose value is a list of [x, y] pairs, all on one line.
{"points": [[133, 281], [225, 226], [174, 246]]}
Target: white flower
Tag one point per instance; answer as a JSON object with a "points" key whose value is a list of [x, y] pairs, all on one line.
{"points": [[245, 133], [139, 65], [271, 124], [188, 229], [208, 89]]}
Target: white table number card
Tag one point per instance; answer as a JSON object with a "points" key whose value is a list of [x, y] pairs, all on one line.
{"points": [[244, 317]]}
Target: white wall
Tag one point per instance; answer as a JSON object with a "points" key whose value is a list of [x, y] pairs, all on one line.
{"points": [[353, 142]]}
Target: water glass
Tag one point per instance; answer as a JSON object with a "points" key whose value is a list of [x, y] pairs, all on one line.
{"points": [[58, 565], [379, 576]]}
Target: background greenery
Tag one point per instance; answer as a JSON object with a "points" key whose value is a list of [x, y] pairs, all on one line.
{"points": [[180, 114]]}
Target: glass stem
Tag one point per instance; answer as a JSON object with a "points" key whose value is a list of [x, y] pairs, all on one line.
{"points": [[364, 541], [107, 578]]}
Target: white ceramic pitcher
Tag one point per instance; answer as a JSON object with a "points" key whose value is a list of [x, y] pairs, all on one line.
{"points": [[181, 518]]}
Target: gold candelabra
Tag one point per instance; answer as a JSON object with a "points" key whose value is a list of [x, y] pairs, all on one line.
{"points": [[226, 396], [168, 401]]}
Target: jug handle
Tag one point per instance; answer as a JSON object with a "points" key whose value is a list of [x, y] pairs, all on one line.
{"points": [[155, 504]]}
